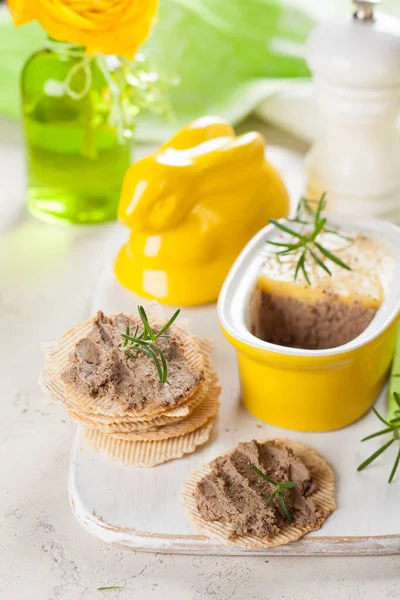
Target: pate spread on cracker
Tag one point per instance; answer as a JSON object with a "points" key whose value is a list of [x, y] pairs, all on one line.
{"points": [[228, 500], [97, 366]]}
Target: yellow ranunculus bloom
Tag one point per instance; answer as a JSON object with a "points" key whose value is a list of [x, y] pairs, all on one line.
{"points": [[106, 26]]}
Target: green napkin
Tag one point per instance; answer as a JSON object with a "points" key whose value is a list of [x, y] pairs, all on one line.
{"points": [[228, 54], [16, 44]]}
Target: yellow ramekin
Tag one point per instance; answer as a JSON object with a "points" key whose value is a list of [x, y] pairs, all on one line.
{"points": [[309, 390]]}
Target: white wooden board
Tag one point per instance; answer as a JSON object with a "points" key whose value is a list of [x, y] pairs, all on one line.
{"points": [[141, 508]]}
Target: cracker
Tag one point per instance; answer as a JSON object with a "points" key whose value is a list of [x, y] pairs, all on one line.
{"points": [[207, 410], [121, 426], [128, 423], [110, 407], [148, 453], [53, 387], [57, 358], [323, 498]]}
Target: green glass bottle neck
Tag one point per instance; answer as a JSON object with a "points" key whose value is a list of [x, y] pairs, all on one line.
{"points": [[64, 47]]}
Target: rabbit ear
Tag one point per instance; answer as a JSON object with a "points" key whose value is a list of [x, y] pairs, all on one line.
{"points": [[199, 131], [248, 148], [133, 188]]}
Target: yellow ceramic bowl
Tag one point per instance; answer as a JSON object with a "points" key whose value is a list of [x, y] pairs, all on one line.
{"points": [[309, 390]]}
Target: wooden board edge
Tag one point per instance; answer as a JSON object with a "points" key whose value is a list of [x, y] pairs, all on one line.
{"points": [[196, 544], [199, 544]]}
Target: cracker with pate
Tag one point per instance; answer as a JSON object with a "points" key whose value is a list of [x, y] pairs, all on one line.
{"points": [[228, 500]]}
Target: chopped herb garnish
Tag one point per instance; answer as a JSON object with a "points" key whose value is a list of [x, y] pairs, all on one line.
{"points": [[277, 493], [393, 428], [111, 587], [305, 242], [146, 342]]}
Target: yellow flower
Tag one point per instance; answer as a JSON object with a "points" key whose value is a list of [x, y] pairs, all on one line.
{"points": [[105, 26]]}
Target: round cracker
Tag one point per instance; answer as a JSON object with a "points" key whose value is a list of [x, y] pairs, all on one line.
{"points": [[52, 385], [323, 498], [108, 406], [148, 453], [58, 357], [207, 410]]}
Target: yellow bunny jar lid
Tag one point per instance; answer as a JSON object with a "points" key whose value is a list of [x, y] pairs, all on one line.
{"points": [[191, 208]]}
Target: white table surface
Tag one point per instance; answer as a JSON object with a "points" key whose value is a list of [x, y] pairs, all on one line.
{"points": [[47, 275]]}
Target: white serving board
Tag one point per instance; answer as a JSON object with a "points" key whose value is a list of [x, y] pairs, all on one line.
{"points": [[140, 508]]}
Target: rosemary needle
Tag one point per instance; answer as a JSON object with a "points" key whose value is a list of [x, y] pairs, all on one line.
{"points": [[307, 243], [393, 427], [277, 493], [146, 342]]}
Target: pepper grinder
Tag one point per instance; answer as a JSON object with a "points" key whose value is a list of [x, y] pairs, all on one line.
{"points": [[356, 70]]}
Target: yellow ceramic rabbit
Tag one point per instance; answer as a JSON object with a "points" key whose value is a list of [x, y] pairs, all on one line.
{"points": [[191, 207]]}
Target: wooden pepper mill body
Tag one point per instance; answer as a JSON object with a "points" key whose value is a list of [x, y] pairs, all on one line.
{"points": [[356, 156]]}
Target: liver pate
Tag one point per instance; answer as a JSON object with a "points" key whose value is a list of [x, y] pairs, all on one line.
{"points": [[330, 306], [97, 367], [326, 323], [233, 493]]}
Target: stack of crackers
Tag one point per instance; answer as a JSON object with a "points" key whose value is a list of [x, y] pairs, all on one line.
{"points": [[142, 437]]}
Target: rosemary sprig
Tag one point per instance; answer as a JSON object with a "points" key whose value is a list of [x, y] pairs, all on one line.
{"points": [[305, 243], [277, 493], [391, 427], [146, 342]]}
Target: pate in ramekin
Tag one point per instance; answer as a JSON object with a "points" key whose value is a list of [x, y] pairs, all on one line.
{"points": [[344, 324]]}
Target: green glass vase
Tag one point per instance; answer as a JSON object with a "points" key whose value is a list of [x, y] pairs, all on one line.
{"points": [[77, 152]]}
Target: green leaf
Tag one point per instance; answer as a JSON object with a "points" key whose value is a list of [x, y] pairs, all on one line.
{"points": [[341, 235], [284, 508], [164, 367], [375, 455], [284, 252], [380, 416], [304, 205], [394, 382], [168, 323], [286, 485], [332, 257], [286, 229], [288, 247], [263, 475], [296, 220], [145, 343], [377, 433], [396, 464], [319, 261], [145, 321], [303, 268], [299, 265], [136, 340], [278, 491], [281, 244], [151, 354], [318, 228], [320, 207], [126, 336], [270, 500]]}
